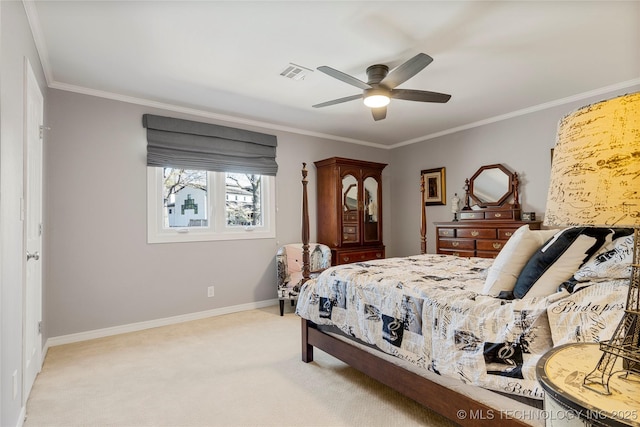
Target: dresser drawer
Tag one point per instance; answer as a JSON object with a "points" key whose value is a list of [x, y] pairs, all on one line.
{"points": [[347, 257], [477, 233], [350, 216], [490, 245], [457, 244], [349, 229], [506, 233], [447, 232], [498, 214], [487, 254], [471, 215], [349, 233], [464, 254]]}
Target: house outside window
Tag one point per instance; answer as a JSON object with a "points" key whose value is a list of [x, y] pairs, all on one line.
{"points": [[189, 205], [188, 200]]}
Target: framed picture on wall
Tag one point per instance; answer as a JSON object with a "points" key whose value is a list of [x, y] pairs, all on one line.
{"points": [[434, 186]]}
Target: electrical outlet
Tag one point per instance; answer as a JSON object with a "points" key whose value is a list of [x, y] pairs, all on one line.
{"points": [[210, 291]]}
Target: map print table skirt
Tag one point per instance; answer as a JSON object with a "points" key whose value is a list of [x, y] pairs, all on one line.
{"points": [[568, 403]]}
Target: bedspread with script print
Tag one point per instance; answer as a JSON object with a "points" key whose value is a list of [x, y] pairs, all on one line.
{"points": [[427, 309]]}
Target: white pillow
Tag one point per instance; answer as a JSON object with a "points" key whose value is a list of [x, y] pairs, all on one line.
{"points": [[612, 261], [504, 271], [590, 315]]}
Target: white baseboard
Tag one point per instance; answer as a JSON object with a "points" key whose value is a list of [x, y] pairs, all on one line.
{"points": [[132, 327]]}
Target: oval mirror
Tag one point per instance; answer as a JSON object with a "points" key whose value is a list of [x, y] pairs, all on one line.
{"points": [[491, 185]]}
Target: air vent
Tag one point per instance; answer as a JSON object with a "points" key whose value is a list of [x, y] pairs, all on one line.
{"points": [[295, 72]]}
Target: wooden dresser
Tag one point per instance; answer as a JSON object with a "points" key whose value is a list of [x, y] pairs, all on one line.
{"points": [[350, 209], [481, 238]]}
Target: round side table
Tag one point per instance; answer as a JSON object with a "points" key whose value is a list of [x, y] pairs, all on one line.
{"points": [[568, 403]]}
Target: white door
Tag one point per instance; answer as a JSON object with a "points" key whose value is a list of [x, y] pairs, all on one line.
{"points": [[32, 229]]}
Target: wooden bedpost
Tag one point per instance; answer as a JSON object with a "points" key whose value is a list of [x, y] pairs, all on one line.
{"points": [[307, 349], [423, 219], [306, 271]]}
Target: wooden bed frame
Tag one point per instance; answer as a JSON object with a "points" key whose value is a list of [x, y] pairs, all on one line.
{"points": [[431, 394]]}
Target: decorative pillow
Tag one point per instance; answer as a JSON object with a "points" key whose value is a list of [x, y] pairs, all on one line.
{"points": [[504, 271], [294, 258], [612, 261], [557, 260], [589, 315]]}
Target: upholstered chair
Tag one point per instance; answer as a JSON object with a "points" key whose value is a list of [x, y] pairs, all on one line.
{"points": [[289, 268]]}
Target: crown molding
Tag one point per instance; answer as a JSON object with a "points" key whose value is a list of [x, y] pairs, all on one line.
{"points": [[524, 111], [207, 114], [41, 47]]}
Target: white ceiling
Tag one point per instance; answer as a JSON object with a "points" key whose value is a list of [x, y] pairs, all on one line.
{"points": [[223, 59]]}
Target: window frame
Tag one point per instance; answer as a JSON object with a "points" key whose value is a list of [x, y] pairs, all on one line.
{"points": [[217, 228]]}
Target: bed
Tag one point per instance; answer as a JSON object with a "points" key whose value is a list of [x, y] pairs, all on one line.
{"points": [[433, 327]]}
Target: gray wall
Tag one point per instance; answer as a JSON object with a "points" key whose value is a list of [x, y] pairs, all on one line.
{"points": [[102, 273], [16, 43], [100, 270], [521, 143]]}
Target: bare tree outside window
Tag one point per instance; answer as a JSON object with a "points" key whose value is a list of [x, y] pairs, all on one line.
{"points": [[186, 205], [185, 195], [243, 199], [175, 180]]}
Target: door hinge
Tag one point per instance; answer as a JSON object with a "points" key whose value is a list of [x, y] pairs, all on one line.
{"points": [[40, 229], [40, 327], [42, 129]]}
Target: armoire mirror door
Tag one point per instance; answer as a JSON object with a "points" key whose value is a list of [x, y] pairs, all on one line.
{"points": [[350, 231], [371, 211]]}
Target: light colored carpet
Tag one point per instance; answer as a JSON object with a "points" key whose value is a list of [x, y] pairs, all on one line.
{"points": [[241, 369]]}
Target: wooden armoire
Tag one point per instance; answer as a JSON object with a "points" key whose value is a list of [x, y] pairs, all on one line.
{"points": [[350, 209]]}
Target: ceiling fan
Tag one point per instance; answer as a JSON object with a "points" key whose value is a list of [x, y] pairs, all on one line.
{"points": [[381, 85]]}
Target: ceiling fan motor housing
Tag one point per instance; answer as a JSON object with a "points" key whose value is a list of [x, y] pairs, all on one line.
{"points": [[376, 73]]}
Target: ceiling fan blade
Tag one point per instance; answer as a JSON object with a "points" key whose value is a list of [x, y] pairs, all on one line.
{"points": [[337, 101], [420, 95], [379, 113], [344, 77], [407, 70]]}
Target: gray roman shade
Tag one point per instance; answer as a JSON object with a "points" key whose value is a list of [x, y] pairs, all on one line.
{"points": [[203, 146]]}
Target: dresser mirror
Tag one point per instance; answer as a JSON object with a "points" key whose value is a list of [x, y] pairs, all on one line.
{"points": [[491, 189], [491, 185]]}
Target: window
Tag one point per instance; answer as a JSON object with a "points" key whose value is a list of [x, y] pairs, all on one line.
{"points": [[194, 205], [208, 182]]}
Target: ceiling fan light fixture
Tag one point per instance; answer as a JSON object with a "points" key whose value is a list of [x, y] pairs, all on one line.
{"points": [[381, 85], [376, 100]]}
